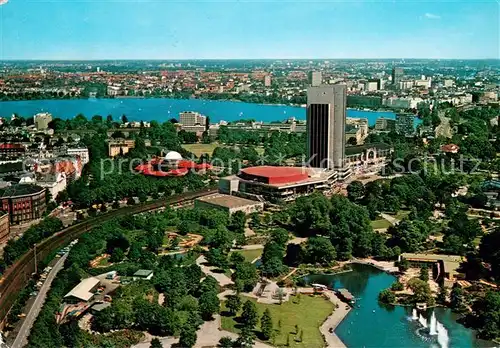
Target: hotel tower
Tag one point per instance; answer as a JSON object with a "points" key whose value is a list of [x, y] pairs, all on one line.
{"points": [[326, 118]]}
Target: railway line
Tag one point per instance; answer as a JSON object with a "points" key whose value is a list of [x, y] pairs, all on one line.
{"points": [[18, 274]]}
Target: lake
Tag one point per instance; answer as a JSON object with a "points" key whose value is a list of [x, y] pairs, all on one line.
{"points": [[372, 325], [163, 109]]}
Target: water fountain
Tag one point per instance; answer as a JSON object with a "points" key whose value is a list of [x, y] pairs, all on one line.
{"points": [[433, 325], [414, 315], [442, 335], [422, 320]]}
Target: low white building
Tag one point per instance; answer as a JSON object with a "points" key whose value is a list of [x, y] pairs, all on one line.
{"points": [[82, 152]]}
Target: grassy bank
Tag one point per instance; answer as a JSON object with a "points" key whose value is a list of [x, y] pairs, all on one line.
{"points": [[308, 312]]}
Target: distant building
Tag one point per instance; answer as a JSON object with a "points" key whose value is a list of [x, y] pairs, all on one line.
{"points": [[368, 158], [4, 227], [316, 78], [385, 124], [23, 202], [229, 204], [364, 101], [405, 124], [83, 292], [448, 83], [144, 274], [81, 152], [406, 84], [42, 120], [12, 150], [397, 75], [267, 81], [120, 147], [191, 118], [53, 182], [372, 85]]}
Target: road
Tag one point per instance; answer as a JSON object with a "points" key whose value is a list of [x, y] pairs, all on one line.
{"points": [[22, 336]]}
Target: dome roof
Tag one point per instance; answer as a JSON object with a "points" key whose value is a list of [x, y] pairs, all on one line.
{"points": [[173, 156]]}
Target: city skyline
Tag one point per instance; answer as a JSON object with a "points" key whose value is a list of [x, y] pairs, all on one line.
{"points": [[112, 30]]}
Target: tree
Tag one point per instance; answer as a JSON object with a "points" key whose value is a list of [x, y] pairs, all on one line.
{"points": [[424, 273], [236, 258], [355, 190], [233, 303], [187, 336], [320, 250], [443, 293], [266, 324], [246, 338], [294, 255], [245, 276], [226, 342], [489, 251], [209, 304], [421, 290], [272, 258], [216, 257], [155, 343], [387, 296], [397, 286], [457, 299], [117, 256], [238, 221], [249, 315], [487, 312], [279, 236]]}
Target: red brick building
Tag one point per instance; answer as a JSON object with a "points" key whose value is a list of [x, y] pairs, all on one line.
{"points": [[23, 202]]}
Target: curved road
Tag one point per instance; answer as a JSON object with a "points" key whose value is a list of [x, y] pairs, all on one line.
{"points": [[22, 336]]}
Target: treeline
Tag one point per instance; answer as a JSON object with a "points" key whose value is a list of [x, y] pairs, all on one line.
{"points": [[135, 307], [15, 248]]}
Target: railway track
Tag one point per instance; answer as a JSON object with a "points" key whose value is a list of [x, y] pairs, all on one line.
{"points": [[18, 274]]}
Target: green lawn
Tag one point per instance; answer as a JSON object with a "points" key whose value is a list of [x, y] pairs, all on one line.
{"points": [[199, 149], [401, 214], [104, 262], [250, 255], [380, 223], [309, 314]]}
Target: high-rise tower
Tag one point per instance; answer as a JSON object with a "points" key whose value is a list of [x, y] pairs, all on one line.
{"points": [[326, 115], [397, 75]]}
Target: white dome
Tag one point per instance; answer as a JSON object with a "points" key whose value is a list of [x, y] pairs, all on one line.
{"points": [[173, 156]]}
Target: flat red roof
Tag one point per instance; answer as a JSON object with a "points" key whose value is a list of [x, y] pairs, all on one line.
{"points": [[274, 175]]}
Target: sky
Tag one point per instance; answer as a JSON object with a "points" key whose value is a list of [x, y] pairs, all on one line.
{"points": [[251, 29]]}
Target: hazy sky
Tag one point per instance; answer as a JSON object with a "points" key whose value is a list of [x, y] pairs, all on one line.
{"points": [[164, 29]]}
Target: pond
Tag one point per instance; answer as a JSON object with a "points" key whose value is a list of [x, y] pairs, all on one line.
{"points": [[371, 325]]}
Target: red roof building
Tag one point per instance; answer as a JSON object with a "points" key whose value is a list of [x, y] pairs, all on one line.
{"points": [[275, 175], [276, 184], [161, 168], [450, 148]]}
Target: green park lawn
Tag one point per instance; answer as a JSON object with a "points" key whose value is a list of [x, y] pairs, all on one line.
{"points": [[199, 149], [380, 223], [250, 255], [309, 314], [401, 214]]}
